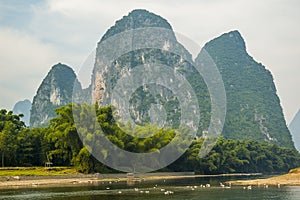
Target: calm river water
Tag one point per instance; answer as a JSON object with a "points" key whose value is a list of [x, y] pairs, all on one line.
{"points": [[184, 189]]}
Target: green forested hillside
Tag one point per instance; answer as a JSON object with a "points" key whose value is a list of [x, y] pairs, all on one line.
{"points": [[253, 107]]}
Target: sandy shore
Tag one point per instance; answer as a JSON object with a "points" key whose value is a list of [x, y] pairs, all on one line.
{"points": [[290, 179], [44, 182], [56, 182]]}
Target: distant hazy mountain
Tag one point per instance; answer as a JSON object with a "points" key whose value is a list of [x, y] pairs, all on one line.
{"points": [[55, 91], [295, 130], [23, 107]]}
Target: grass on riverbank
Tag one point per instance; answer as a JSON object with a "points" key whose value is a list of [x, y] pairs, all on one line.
{"points": [[290, 179], [37, 171]]}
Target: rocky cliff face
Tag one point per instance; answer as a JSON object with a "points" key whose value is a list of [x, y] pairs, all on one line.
{"points": [[294, 128], [253, 107], [23, 107], [135, 20], [105, 77], [55, 91]]}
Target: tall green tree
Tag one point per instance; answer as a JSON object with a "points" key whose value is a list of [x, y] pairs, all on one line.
{"points": [[32, 147], [63, 135], [10, 126]]}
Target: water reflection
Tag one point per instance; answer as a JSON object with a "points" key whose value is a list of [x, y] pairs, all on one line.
{"points": [[175, 189]]}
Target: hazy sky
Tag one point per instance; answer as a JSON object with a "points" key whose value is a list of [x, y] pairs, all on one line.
{"points": [[34, 35]]}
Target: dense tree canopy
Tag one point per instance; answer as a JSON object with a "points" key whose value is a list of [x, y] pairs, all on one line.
{"points": [[60, 143], [10, 126]]}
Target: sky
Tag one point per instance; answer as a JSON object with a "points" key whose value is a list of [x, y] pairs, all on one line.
{"points": [[35, 35]]}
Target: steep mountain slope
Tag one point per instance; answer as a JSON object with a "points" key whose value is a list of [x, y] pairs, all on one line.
{"points": [[23, 107], [138, 18], [105, 78], [253, 107], [55, 91], [294, 128]]}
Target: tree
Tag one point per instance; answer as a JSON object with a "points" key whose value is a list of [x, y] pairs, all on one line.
{"points": [[32, 147], [10, 126], [63, 135]]}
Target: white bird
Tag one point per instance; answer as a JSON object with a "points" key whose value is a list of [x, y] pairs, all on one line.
{"points": [[249, 187], [168, 192], [266, 186]]}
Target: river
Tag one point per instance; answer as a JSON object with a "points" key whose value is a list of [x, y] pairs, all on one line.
{"points": [[183, 189]]}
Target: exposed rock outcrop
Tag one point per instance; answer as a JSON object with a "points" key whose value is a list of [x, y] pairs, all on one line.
{"points": [[55, 91]]}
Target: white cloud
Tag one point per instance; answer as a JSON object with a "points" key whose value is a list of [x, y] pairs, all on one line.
{"points": [[24, 62]]}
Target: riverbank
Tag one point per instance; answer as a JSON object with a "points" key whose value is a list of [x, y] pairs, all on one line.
{"points": [[97, 179], [37, 171], [290, 179]]}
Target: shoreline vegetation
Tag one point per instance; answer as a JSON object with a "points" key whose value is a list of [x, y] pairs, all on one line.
{"points": [[15, 178], [59, 144], [290, 179]]}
